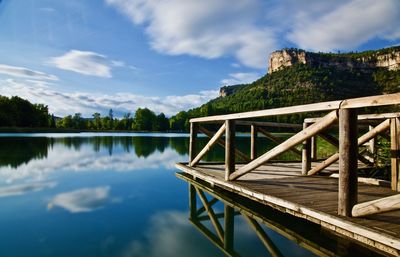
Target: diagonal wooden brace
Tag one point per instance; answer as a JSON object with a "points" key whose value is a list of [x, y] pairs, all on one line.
{"points": [[208, 146], [361, 140], [221, 142], [310, 131]]}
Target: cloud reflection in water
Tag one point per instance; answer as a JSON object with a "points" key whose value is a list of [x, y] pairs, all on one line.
{"points": [[22, 189], [60, 158], [170, 234], [82, 200]]}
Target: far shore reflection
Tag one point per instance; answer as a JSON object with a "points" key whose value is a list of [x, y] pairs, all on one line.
{"points": [[16, 151]]}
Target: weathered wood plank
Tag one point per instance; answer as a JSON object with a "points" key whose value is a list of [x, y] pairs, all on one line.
{"points": [[371, 101], [291, 142], [379, 100], [373, 116], [317, 107], [376, 206], [348, 151], [269, 124]]}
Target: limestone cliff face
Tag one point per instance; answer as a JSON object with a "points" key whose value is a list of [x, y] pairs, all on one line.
{"points": [[389, 59], [286, 58]]}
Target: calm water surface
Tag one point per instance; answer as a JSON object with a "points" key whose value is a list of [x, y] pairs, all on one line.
{"points": [[110, 195]]}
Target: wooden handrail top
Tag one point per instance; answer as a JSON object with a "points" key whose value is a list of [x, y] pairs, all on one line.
{"points": [[262, 124], [369, 101], [378, 116]]}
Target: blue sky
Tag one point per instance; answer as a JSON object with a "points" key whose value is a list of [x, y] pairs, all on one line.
{"points": [[168, 55]]}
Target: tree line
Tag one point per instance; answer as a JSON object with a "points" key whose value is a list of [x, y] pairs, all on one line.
{"points": [[18, 112], [143, 120]]}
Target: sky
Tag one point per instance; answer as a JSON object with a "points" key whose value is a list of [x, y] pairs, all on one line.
{"points": [[168, 55]]}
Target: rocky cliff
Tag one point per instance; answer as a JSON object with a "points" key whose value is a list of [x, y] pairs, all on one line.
{"points": [[388, 58]]}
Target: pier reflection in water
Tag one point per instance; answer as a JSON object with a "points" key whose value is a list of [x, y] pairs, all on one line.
{"points": [[220, 215]]}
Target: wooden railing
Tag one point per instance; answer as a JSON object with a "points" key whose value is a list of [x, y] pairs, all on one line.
{"points": [[343, 112]]}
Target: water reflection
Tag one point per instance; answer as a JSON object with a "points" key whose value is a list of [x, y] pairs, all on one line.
{"points": [[36, 158], [21, 189], [82, 200], [272, 232], [19, 151], [16, 151]]}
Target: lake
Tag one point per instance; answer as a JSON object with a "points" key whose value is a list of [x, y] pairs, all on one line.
{"points": [[116, 194]]}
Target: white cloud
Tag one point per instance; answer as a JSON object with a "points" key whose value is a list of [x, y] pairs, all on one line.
{"points": [[346, 25], [208, 28], [25, 188], [22, 72], [251, 29], [240, 78], [88, 103], [82, 200], [87, 63]]}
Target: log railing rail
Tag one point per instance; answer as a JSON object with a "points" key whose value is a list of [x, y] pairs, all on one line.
{"points": [[343, 112]]}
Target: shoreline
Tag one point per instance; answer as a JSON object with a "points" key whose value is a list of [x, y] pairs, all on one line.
{"points": [[60, 130]]}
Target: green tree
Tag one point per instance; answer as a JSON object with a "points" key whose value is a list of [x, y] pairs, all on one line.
{"points": [[144, 120]]}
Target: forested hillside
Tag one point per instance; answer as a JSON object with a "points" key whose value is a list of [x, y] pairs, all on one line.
{"points": [[298, 84]]}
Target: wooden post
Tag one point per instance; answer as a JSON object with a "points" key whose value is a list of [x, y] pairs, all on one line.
{"points": [[372, 147], [314, 148], [306, 154], [348, 152], [394, 152], [192, 202], [253, 142], [229, 216], [194, 128], [229, 148]]}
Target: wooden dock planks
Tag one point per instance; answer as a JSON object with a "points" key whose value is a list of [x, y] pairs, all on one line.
{"points": [[315, 198]]}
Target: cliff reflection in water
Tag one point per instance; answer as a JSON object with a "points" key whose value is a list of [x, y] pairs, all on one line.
{"points": [[240, 227]]}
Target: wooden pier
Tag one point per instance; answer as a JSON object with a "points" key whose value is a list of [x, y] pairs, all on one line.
{"points": [[217, 224], [328, 192]]}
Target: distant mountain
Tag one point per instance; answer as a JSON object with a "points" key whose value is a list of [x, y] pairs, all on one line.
{"points": [[297, 77]]}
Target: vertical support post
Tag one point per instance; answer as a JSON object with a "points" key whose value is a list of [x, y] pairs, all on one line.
{"points": [[314, 148], [372, 146], [348, 152], [229, 218], [194, 129], [229, 148], [192, 201], [394, 152], [253, 142], [306, 154]]}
